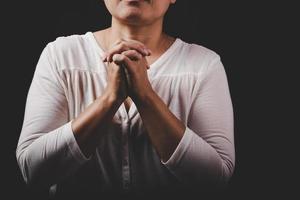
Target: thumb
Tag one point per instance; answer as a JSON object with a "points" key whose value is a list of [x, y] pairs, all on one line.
{"points": [[120, 59]]}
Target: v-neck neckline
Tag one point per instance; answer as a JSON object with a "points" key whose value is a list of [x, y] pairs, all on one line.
{"points": [[131, 111], [156, 62], [164, 56]]}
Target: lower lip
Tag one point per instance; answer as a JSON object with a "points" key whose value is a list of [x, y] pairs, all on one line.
{"points": [[134, 1]]}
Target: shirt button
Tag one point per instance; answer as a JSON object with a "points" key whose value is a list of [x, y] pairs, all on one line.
{"points": [[126, 184], [125, 161]]}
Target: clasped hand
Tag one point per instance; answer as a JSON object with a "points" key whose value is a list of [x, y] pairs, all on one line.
{"points": [[127, 70]]}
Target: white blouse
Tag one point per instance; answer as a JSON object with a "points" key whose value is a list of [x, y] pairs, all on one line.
{"points": [[70, 75]]}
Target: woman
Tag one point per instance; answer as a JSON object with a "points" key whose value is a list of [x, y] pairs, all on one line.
{"points": [[127, 108]]}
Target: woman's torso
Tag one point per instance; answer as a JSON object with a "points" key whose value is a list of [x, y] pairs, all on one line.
{"points": [[125, 159]]}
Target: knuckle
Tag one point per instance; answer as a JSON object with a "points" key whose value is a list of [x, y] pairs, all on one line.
{"points": [[125, 53], [122, 44], [118, 41], [133, 51], [122, 57], [116, 57], [142, 46]]}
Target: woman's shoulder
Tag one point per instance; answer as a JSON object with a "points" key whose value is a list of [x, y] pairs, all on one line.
{"points": [[197, 58], [72, 43], [199, 53], [73, 52]]}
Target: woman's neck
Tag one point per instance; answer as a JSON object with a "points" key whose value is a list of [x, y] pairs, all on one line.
{"points": [[150, 35]]}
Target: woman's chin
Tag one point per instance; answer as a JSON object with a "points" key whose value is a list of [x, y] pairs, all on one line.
{"points": [[133, 17], [132, 10]]}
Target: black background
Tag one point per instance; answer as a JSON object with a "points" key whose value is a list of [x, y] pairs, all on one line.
{"points": [[257, 42]]}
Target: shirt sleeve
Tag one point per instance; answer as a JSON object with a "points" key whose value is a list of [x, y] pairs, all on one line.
{"points": [[206, 154], [47, 150]]}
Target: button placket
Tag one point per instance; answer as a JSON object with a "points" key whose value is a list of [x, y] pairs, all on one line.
{"points": [[125, 155]]}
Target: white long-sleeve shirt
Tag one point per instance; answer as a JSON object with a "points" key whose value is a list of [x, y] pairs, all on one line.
{"points": [[70, 75]]}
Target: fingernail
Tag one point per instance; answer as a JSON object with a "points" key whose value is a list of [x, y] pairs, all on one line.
{"points": [[146, 51]]}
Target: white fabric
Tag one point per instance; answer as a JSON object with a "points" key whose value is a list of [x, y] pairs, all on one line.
{"points": [[189, 78]]}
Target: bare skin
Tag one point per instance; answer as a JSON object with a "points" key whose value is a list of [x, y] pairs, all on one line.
{"points": [[133, 43]]}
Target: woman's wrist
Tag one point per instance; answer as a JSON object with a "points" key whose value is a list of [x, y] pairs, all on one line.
{"points": [[111, 98], [145, 98]]}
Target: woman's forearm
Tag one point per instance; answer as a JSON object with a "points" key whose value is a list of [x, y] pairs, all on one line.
{"points": [[164, 129], [95, 117]]}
